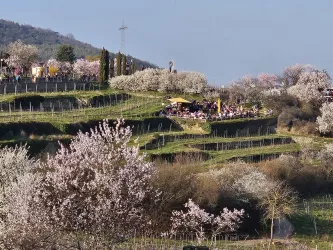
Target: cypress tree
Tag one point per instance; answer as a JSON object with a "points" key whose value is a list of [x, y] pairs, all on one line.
{"points": [[111, 68], [107, 65], [104, 66], [124, 62], [119, 57]]}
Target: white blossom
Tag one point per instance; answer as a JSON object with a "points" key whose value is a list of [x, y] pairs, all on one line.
{"points": [[160, 80], [21, 55], [196, 220], [310, 85], [325, 120], [99, 184]]}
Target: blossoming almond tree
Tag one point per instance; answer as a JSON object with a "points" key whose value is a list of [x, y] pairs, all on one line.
{"points": [[310, 85], [85, 67], [92, 193], [161, 80], [64, 67], [99, 185], [291, 74], [251, 88], [198, 221], [325, 120], [24, 222], [21, 55], [23, 225], [13, 163]]}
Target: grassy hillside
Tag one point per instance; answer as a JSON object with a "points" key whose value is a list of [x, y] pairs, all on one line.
{"points": [[47, 41]]}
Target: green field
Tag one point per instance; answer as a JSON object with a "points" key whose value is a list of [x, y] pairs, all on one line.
{"points": [[36, 125], [313, 222]]}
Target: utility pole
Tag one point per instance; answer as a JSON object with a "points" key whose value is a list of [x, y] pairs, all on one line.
{"points": [[123, 29]]}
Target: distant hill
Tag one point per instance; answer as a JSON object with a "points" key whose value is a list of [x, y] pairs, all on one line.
{"points": [[48, 41]]}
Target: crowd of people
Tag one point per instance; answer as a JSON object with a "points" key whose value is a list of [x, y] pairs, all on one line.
{"points": [[5, 78], [208, 110]]}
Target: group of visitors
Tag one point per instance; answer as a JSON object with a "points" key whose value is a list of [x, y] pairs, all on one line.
{"points": [[5, 78], [209, 110]]}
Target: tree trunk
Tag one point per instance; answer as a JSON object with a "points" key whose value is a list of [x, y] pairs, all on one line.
{"points": [[272, 231]]}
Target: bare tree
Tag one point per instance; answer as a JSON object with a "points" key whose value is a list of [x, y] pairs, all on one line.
{"points": [[274, 198], [281, 200]]}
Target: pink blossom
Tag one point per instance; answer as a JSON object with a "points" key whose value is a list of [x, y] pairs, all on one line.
{"points": [[85, 67]]}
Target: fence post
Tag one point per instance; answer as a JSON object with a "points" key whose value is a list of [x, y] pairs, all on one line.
{"points": [[26, 88]]}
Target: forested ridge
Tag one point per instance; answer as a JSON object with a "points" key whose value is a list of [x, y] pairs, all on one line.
{"points": [[48, 41]]}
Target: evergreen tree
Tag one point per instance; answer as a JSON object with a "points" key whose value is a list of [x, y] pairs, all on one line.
{"points": [[104, 66], [65, 53], [123, 68], [119, 57], [111, 68]]}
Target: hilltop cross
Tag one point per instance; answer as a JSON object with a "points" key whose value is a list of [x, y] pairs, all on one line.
{"points": [[123, 29]]}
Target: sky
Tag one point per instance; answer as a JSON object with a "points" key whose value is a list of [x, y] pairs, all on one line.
{"points": [[224, 39]]}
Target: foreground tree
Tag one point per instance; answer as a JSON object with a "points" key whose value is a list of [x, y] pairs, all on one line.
{"points": [[21, 55], [65, 53], [99, 185], [21, 224], [13, 163], [88, 196]]}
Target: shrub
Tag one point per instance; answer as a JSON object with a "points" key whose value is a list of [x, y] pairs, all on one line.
{"points": [[279, 102]]}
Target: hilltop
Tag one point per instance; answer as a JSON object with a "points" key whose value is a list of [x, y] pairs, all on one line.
{"points": [[48, 41]]}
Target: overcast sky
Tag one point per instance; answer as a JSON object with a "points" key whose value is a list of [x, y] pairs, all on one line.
{"points": [[224, 39]]}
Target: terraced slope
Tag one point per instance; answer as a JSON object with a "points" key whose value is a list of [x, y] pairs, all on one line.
{"points": [[42, 119]]}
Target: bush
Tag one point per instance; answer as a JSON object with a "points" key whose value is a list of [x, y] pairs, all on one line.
{"points": [[279, 102]]}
